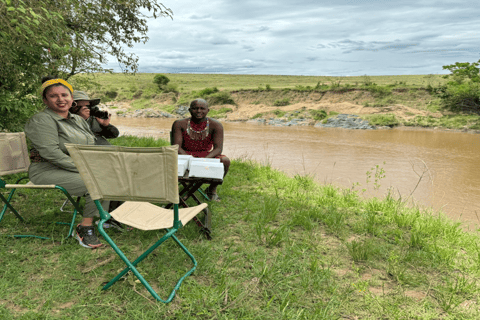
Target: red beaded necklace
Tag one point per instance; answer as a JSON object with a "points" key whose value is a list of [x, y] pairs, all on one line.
{"points": [[197, 135]]}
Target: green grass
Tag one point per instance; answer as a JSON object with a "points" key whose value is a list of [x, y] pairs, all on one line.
{"points": [[468, 121], [282, 248], [382, 119], [121, 83], [414, 91]]}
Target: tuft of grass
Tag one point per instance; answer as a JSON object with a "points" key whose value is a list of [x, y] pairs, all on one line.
{"points": [[389, 120], [219, 113], [281, 102]]}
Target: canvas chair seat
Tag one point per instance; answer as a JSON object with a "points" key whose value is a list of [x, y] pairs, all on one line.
{"points": [[14, 158], [147, 216], [140, 177]]}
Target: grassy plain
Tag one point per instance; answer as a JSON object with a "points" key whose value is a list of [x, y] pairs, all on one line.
{"points": [[282, 248], [232, 82]]}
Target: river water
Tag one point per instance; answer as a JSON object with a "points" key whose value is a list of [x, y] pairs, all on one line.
{"points": [[437, 168]]}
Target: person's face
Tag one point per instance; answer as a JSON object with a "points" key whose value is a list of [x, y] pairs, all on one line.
{"points": [[84, 110], [199, 111], [59, 99]]}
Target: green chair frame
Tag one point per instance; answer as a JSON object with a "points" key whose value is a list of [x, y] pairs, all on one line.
{"points": [[15, 159], [159, 167]]}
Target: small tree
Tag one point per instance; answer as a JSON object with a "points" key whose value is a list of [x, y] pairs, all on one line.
{"points": [[464, 70], [463, 93], [161, 80]]}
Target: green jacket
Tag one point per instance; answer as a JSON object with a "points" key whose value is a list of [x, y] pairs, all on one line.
{"points": [[49, 132]]}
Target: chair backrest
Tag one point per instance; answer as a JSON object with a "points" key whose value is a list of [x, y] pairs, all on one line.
{"points": [[128, 173], [14, 156]]}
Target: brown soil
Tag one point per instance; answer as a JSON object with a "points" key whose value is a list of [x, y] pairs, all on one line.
{"points": [[250, 104]]}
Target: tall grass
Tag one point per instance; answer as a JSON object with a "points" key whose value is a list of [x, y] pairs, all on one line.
{"points": [[282, 248]]}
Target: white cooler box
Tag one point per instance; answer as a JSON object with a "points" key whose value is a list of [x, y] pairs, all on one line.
{"points": [[183, 163], [206, 168]]}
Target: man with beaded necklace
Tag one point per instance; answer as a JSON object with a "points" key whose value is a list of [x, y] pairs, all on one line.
{"points": [[201, 137]]}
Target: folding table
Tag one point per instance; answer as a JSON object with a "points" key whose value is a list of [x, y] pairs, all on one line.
{"points": [[190, 186]]}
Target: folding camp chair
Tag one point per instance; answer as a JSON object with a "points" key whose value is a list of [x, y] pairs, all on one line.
{"points": [[138, 176], [14, 158]]}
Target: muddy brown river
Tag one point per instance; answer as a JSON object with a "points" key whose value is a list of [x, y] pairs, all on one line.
{"points": [[437, 169]]}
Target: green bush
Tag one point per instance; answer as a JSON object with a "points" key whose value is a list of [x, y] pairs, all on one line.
{"points": [[222, 97], [318, 114], [462, 96], [379, 91], [111, 94], [279, 113], [171, 87], [220, 113], [161, 80], [389, 120], [207, 91], [282, 102]]}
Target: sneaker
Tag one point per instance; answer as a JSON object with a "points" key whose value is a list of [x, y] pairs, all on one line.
{"points": [[87, 238], [112, 223]]}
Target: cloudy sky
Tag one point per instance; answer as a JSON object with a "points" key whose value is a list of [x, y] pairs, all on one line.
{"points": [[312, 37]]}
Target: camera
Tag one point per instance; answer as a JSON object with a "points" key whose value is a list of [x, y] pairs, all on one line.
{"points": [[96, 112]]}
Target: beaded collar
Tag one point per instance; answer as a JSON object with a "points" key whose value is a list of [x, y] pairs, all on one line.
{"points": [[198, 135]]}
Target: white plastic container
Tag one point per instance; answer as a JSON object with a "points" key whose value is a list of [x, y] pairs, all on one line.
{"points": [[182, 167], [206, 168]]}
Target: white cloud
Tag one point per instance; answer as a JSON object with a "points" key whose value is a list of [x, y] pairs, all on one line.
{"points": [[312, 37]]}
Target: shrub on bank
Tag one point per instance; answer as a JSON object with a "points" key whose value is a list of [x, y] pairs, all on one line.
{"points": [[282, 102], [389, 120]]}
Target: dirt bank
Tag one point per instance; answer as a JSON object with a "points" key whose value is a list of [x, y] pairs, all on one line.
{"points": [[250, 104]]}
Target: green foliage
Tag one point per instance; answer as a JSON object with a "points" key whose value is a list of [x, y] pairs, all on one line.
{"points": [[220, 113], [268, 88], [43, 37], [379, 91], [389, 120], [279, 113], [463, 92], [217, 98], [282, 102], [318, 114], [463, 96], [207, 91], [171, 87], [367, 81], [214, 96], [460, 71], [161, 81], [16, 110]]}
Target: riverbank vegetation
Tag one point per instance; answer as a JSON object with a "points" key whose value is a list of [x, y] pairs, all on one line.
{"points": [[282, 248], [414, 100]]}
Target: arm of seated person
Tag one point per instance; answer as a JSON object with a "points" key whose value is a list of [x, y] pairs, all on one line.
{"points": [[217, 133], [177, 136]]}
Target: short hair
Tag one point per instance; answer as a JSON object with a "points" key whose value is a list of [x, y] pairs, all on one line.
{"points": [[198, 101]]}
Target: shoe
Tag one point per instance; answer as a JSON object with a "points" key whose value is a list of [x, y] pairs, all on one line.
{"points": [[86, 237], [112, 224]]}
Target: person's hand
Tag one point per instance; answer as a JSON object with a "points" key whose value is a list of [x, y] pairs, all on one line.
{"points": [[104, 122]]}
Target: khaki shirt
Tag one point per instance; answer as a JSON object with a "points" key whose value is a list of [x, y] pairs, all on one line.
{"points": [[49, 132]]}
